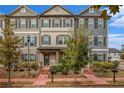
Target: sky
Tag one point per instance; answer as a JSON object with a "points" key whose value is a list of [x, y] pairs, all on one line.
{"points": [[115, 24]]}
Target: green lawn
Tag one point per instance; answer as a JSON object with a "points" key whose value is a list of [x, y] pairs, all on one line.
{"points": [[109, 74], [69, 83], [15, 84], [116, 83], [19, 74]]}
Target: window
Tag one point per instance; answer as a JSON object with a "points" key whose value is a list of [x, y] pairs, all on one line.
{"points": [[91, 23], [56, 22], [45, 22], [23, 10], [61, 40], [100, 23], [1, 23], [67, 22], [22, 23], [81, 22], [100, 40], [100, 57], [32, 57], [46, 39], [32, 41], [33, 23], [91, 10]]}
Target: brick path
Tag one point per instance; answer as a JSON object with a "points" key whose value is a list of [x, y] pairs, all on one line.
{"points": [[42, 78], [18, 80], [90, 76]]}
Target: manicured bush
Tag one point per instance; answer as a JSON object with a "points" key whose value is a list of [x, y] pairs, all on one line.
{"points": [[23, 64], [102, 66]]}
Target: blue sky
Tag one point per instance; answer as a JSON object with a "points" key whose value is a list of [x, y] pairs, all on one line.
{"points": [[115, 24]]}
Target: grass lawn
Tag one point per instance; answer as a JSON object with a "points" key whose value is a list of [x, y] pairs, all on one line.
{"points": [[116, 83], [69, 75], [109, 74], [15, 84], [69, 83], [19, 74]]}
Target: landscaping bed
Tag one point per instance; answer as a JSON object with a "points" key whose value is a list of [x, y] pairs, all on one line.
{"points": [[117, 83], [20, 73], [69, 75], [108, 74]]}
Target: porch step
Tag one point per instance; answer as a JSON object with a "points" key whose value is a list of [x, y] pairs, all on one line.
{"points": [[88, 71], [44, 71]]}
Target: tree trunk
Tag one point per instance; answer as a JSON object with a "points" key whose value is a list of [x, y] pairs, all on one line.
{"points": [[9, 77]]}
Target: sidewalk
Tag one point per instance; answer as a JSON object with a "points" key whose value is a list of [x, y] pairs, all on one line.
{"points": [[18, 80], [90, 76]]}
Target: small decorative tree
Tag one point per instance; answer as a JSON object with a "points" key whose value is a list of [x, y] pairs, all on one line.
{"points": [[9, 46], [75, 56]]}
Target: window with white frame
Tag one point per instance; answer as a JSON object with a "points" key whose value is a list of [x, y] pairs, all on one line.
{"points": [[91, 10], [100, 57], [22, 23], [67, 22], [32, 57], [32, 41], [100, 23], [91, 23], [46, 39], [1, 23], [81, 22], [45, 22], [23, 10], [61, 39], [56, 22], [33, 23], [100, 40]]}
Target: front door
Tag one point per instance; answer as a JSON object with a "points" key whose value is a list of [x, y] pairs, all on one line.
{"points": [[46, 59]]}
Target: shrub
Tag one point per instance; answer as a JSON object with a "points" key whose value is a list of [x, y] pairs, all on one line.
{"points": [[23, 64], [102, 66], [33, 65], [53, 70], [21, 69]]}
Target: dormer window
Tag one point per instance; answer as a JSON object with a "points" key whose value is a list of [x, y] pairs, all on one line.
{"points": [[23, 10], [91, 10]]}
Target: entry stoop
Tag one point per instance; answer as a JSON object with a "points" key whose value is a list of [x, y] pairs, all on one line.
{"points": [[45, 71]]}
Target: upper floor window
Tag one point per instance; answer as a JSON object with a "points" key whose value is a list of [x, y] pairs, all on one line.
{"points": [[23, 10], [91, 10], [1, 23], [91, 23], [81, 22], [32, 41], [46, 39], [100, 23], [33, 23], [67, 22], [100, 40], [31, 56], [22, 23], [61, 39], [45, 22], [56, 22]]}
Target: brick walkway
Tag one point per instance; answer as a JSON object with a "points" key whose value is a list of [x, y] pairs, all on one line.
{"points": [[18, 80], [90, 76], [42, 78]]}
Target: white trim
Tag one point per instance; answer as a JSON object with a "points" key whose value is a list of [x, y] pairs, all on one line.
{"points": [[25, 32], [99, 49]]}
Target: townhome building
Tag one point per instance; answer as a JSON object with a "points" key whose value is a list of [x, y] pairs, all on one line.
{"points": [[49, 30]]}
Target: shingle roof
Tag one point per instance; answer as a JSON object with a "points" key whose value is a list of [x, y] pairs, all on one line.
{"points": [[113, 50]]}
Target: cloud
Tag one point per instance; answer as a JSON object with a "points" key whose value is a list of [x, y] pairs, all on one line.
{"points": [[118, 19], [116, 40]]}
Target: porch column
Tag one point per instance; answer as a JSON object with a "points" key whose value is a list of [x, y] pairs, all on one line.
{"points": [[38, 58], [57, 56]]}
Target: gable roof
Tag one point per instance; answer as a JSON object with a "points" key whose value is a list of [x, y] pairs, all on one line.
{"points": [[83, 11], [12, 12], [54, 7], [113, 50]]}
